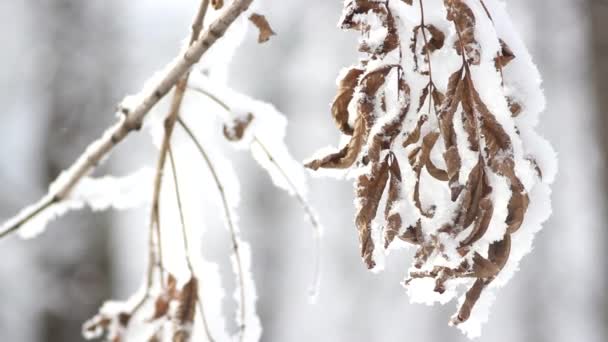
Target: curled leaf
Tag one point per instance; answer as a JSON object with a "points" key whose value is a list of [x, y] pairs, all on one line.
{"points": [[265, 31], [464, 20], [346, 89]]}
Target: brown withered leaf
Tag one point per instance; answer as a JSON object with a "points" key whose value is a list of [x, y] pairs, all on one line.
{"points": [[482, 222], [475, 190], [265, 31], [391, 129], [236, 130], [484, 268], [514, 107], [453, 164], [471, 297], [346, 90], [518, 205], [188, 298], [505, 55], [186, 310], [370, 85], [413, 234], [414, 135], [110, 324], [352, 20], [423, 97], [391, 42], [393, 219], [217, 4], [433, 39], [344, 158], [436, 172], [369, 190], [354, 8], [170, 293], [428, 142], [453, 98], [438, 98], [499, 151], [469, 115], [499, 251], [464, 20], [409, 2], [436, 41]]}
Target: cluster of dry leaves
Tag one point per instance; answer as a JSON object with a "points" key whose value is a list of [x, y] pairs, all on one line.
{"points": [[172, 305], [372, 105]]}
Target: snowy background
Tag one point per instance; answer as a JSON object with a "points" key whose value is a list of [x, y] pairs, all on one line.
{"points": [[66, 63]]}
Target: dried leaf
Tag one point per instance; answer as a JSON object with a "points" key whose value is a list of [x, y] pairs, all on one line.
{"points": [[346, 90], [217, 4], [370, 85], [504, 56], [265, 31], [236, 129], [484, 268], [464, 21], [436, 41], [352, 10], [433, 39], [187, 302], [514, 107], [369, 189], [471, 297], [482, 222], [347, 155], [393, 219], [414, 135], [499, 251]]}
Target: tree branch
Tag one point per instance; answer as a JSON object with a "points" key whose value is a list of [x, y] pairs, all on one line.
{"points": [[133, 109]]}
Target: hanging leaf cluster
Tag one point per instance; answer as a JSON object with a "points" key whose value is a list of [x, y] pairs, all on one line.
{"points": [[435, 166]]}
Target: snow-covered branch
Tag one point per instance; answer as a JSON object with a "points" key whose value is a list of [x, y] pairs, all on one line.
{"points": [[132, 110]]}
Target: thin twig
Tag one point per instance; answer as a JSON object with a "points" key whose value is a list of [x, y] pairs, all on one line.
{"points": [[134, 114], [229, 221], [185, 240], [312, 218], [301, 199], [155, 254], [169, 123], [428, 56]]}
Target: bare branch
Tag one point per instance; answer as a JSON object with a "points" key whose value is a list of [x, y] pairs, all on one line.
{"points": [[134, 113], [230, 221]]}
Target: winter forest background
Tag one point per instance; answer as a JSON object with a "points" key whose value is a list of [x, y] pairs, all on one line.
{"points": [[67, 62]]}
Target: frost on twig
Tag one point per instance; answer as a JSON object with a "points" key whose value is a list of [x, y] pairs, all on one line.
{"points": [[132, 111], [440, 115], [258, 127], [99, 194]]}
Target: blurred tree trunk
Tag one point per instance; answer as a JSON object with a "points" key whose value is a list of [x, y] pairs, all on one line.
{"points": [[598, 11], [79, 41]]}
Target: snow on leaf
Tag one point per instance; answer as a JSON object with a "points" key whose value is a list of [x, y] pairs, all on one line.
{"points": [[464, 169]]}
